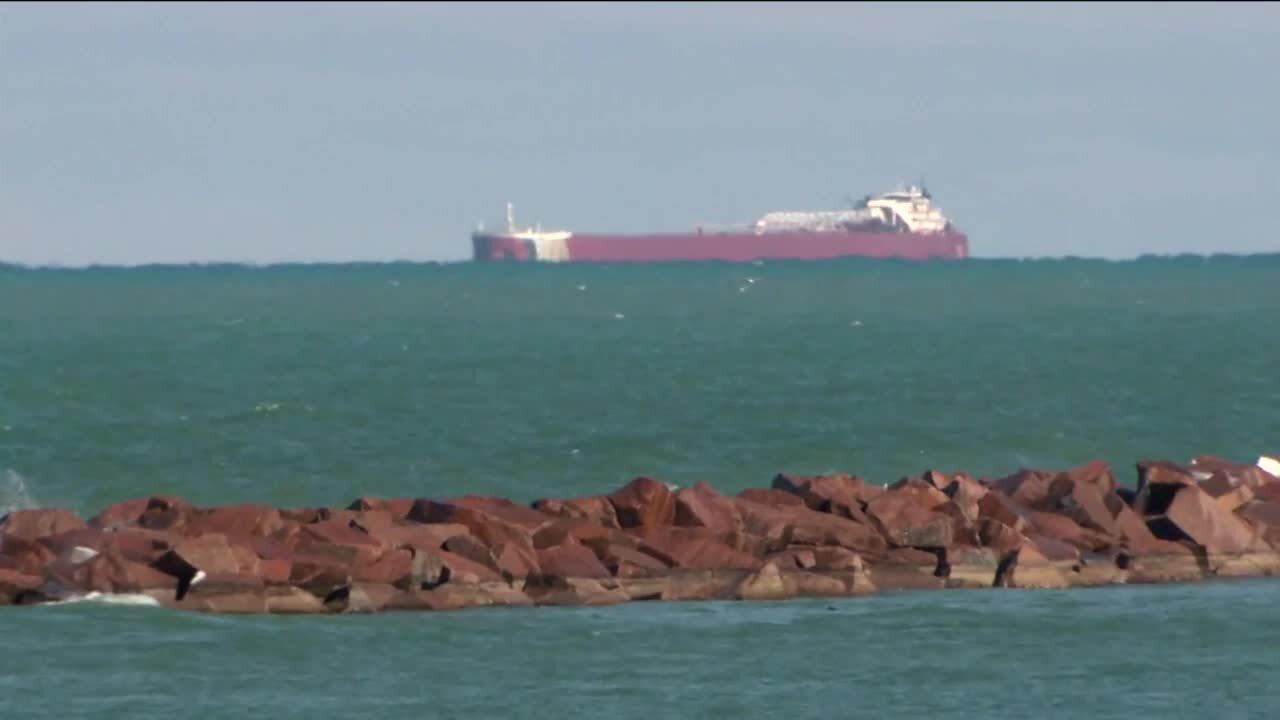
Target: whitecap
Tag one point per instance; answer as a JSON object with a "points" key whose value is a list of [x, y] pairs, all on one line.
{"points": [[128, 599], [14, 494]]}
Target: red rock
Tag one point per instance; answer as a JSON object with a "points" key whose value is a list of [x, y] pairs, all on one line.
{"points": [[398, 507], [1083, 500], [1095, 472], [1237, 473], [462, 570], [1064, 529], [799, 525], [211, 554], [693, 549], [644, 502], [1130, 527], [771, 498], [1218, 483], [165, 512], [1158, 482], [338, 532], [392, 567], [965, 492], [302, 516], [571, 561], [24, 557], [361, 597], [238, 520], [274, 571], [1053, 549], [318, 574], [14, 584], [937, 479], [553, 590], [999, 507], [835, 559], [843, 495], [1269, 492], [509, 559], [137, 544], [1264, 518], [1235, 499], [918, 492], [1195, 515], [366, 521], [333, 538], [423, 537], [766, 583], [1266, 512], [469, 547], [905, 516], [226, 593], [111, 572], [595, 509], [797, 557], [625, 561], [1000, 537], [120, 514], [702, 506], [488, 528], [35, 524], [573, 529], [516, 560], [526, 518], [1026, 487]]}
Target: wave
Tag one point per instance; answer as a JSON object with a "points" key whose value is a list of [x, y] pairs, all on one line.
{"points": [[14, 493]]}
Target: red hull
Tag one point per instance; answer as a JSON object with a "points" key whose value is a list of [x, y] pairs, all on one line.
{"points": [[731, 247]]}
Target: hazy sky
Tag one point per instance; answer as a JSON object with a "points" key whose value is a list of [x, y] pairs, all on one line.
{"points": [[255, 132]]}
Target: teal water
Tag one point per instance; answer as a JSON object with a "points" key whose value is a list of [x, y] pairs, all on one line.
{"points": [[301, 385]]}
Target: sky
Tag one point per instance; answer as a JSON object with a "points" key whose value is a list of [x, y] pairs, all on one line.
{"points": [[247, 132]]}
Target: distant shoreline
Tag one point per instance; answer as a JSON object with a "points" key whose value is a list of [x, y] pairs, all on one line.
{"points": [[366, 264]]}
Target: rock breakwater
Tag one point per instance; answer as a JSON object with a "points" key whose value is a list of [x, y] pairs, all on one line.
{"points": [[823, 536]]}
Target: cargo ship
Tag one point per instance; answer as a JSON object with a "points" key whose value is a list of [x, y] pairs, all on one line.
{"points": [[903, 224]]}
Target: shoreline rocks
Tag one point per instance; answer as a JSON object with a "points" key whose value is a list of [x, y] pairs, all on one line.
{"points": [[823, 536]]}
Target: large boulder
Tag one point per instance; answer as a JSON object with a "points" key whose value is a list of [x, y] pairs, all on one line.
{"points": [[701, 506], [595, 509], [1027, 487], [909, 516], [165, 512], [576, 530], [782, 525], [1066, 530], [693, 549], [997, 506], [556, 590], [13, 585], [481, 520], [644, 502], [121, 514], [35, 524], [771, 498], [398, 507], [625, 561], [234, 520], [843, 495], [417, 535], [1193, 514], [571, 561], [1081, 495], [25, 557]]}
